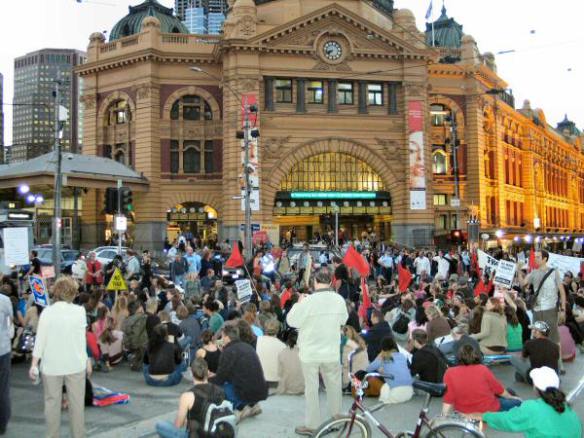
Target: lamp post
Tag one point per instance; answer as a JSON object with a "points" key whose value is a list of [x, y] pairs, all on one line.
{"points": [[247, 168], [58, 187]]}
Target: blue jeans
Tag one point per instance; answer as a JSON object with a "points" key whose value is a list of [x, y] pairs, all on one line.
{"points": [[508, 403], [166, 429], [230, 395], [179, 279], [172, 379]]}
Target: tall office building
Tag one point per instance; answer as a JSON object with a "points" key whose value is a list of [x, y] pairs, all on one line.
{"points": [[2, 159], [202, 16], [33, 127]]}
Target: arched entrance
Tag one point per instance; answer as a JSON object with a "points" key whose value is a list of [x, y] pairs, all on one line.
{"points": [[322, 185], [192, 219]]}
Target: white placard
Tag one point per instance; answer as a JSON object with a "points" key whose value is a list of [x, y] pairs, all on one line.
{"points": [[16, 246], [121, 223], [505, 273], [487, 263], [243, 290], [564, 263]]}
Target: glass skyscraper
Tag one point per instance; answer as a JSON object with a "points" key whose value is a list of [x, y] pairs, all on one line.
{"points": [[202, 16]]}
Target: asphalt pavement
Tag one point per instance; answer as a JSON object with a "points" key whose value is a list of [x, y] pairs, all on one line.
{"points": [[279, 417]]}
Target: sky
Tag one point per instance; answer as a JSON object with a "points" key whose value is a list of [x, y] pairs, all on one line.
{"points": [[547, 66]]}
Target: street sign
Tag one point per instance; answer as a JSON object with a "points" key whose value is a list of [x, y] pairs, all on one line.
{"points": [[254, 227], [121, 223], [455, 202], [117, 281]]}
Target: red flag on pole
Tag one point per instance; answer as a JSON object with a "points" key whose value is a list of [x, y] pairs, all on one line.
{"points": [[235, 260], [532, 264], [474, 263], [366, 304], [356, 261], [404, 277]]}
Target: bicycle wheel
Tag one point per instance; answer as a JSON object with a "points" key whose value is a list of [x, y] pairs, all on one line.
{"points": [[453, 430], [339, 428]]}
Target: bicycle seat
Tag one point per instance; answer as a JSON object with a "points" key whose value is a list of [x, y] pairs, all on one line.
{"points": [[434, 389]]}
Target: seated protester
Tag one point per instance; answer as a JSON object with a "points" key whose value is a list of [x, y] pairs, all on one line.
{"points": [[240, 372], [379, 330], [567, 344], [192, 285], [175, 334], [291, 379], [110, 344], [537, 352], [163, 362], [93, 351], [250, 315], [192, 404], [460, 338], [493, 333], [215, 320], [393, 364], [427, 361], [190, 327], [353, 353], [209, 351], [514, 330], [135, 336], [268, 348], [152, 319], [472, 387], [208, 281], [548, 416], [437, 326]]}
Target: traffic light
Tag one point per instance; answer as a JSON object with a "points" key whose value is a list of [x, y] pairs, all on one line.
{"points": [[456, 237], [127, 201], [111, 201]]}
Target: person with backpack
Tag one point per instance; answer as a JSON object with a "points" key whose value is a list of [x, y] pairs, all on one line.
{"points": [[135, 335], [204, 401], [427, 361]]}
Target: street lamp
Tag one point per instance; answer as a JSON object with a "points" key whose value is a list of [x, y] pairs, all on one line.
{"points": [[246, 136], [499, 234], [23, 189]]}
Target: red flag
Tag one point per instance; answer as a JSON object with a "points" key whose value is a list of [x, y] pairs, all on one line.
{"points": [[366, 304], [404, 277], [532, 264], [356, 261], [582, 269], [235, 260], [474, 263]]}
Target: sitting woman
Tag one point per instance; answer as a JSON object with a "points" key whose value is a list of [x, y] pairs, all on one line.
{"points": [[352, 342], [493, 334], [394, 366], [549, 415], [209, 351], [163, 362], [472, 387], [290, 369], [110, 343]]}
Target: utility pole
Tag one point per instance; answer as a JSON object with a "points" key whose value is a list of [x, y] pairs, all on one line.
{"points": [[455, 169], [57, 221], [119, 214], [247, 206]]}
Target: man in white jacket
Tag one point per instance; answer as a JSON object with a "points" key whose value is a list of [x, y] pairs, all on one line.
{"points": [[318, 318]]}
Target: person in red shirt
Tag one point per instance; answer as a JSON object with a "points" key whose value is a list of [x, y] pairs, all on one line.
{"points": [[94, 275], [472, 388], [286, 295]]}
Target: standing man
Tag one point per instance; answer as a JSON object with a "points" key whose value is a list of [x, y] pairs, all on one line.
{"points": [[422, 264], [94, 274], [304, 264], [318, 318], [133, 267], [386, 262], [194, 261], [549, 286], [61, 348], [35, 264], [6, 321]]}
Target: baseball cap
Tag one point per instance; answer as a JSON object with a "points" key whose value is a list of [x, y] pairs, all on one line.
{"points": [[541, 326], [544, 378]]}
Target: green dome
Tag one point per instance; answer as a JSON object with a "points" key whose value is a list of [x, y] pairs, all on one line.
{"points": [[447, 32], [132, 23]]}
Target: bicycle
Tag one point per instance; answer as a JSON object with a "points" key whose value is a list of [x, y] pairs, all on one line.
{"points": [[356, 425]]}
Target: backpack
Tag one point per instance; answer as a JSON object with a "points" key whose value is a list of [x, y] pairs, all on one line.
{"points": [[135, 335], [216, 418]]}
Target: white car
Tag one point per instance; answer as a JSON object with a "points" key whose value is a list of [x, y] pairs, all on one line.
{"points": [[105, 254]]}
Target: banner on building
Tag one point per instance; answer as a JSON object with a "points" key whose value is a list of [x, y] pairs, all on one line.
{"points": [[417, 175]]}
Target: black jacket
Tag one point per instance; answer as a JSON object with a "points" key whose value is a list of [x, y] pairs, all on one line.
{"points": [[374, 336], [426, 364], [240, 365]]}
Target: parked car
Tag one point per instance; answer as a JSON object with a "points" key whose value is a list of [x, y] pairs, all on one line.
{"points": [[105, 254], [68, 257]]}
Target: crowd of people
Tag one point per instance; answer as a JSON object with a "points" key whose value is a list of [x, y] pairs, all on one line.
{"points": [[422, 315]]}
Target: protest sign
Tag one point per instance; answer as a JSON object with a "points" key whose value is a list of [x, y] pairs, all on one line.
{"points": [[117, 281], [243, 290], [15, 246], [39, 290], [505, 273], [564, 264], [487, 263]]}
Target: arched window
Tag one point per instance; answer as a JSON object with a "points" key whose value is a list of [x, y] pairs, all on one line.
{"points": [[194, 145], [191, 108], [118, 113], [439, 163], [175, 30]]}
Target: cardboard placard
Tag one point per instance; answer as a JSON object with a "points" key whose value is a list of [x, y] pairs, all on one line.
{"points": [[505, 273], [244, 291], [16, 246], [39, 290], [117, 281]]}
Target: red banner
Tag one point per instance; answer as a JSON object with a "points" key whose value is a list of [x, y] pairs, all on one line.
{"points": [[251, 99]]}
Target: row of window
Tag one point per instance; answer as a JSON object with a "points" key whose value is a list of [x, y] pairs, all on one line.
{"points": [[556, 217], [315, 92], [555, 180], [513, 168], [515, 213], [446, 221], [197, 155]]}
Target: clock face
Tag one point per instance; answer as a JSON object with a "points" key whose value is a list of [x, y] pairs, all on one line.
{"points": [[332, 50]]}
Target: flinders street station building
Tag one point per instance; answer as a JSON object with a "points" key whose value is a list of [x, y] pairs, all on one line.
{"points": [[408, 133]]}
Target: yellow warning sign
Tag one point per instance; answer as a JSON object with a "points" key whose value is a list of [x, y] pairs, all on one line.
{"points": [[117, 281]]}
